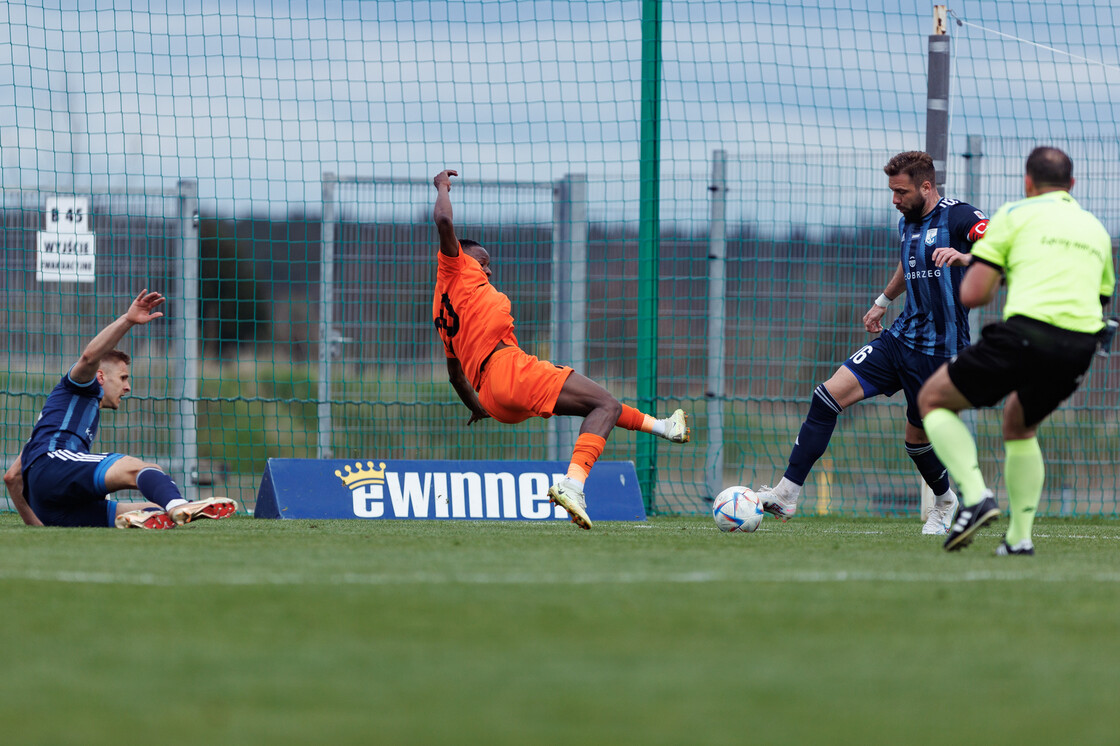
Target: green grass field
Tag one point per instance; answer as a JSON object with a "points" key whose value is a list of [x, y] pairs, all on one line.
{"points": [[822, 630]]}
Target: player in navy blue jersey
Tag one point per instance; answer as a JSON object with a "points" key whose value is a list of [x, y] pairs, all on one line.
{"points": [[56, 481], [936, 236]]}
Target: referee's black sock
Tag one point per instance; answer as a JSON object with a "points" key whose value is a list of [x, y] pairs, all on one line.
{"points": [[157, 487]]}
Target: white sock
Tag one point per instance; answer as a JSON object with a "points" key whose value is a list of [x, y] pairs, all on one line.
{"points": [[947, 498], [660, 427], [788, 489], [574, 482], [174, 503]]}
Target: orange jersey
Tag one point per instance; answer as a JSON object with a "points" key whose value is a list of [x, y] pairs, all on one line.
{"points": [[470, 314]]}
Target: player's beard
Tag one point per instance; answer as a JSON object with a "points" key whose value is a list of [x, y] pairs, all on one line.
{"points": [[915, 215]]}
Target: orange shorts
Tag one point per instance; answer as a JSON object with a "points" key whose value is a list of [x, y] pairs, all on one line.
{"points": [[517, 385]]}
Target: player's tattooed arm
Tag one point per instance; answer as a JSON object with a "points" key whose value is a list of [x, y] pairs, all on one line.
{"points": [[465, 391], [13, 480]]}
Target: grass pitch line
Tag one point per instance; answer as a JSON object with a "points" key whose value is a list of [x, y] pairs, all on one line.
{"points": [[1078, 536], [1039, 574]]}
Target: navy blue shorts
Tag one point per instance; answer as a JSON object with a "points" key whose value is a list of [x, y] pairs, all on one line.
{"points": [[886, 365], [67, 488]]}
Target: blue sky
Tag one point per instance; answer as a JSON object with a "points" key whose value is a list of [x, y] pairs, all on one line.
{"points": [[256, 99]]}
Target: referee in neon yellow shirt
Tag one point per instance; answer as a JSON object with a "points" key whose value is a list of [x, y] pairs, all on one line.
{"points": [[1057, 259]]}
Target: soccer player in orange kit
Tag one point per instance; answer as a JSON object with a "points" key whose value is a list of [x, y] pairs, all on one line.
{"points": [[495, 378]]}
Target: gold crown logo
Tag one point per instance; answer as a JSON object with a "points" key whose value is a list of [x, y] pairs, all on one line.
{"points": [[363, 476]]}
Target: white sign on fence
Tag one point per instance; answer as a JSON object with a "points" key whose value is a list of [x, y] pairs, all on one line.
{"points": [[67, 247]]}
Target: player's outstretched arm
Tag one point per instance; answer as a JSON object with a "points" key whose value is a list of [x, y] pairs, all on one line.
{"points": [[140, 312], [448, 243], [463, 388], [13, 480]]}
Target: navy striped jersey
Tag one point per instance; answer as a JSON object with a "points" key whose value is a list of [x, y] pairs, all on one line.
{"points": [[68, 421], [933, 321]]}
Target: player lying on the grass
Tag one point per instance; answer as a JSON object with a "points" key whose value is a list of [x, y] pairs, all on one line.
{"points": [[495, 378], [56, 481], [1057, 259], [936, 236]]}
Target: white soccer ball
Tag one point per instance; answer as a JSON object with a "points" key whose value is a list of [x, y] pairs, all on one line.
{"points": [[738, 509]]}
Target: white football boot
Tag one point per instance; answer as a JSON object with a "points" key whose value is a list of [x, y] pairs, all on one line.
{"points": [[151, 519], [941, 516], [568, 496], [677, 430], [779, 506], [214, 507]]}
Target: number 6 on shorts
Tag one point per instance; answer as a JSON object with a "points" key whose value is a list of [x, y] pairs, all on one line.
{"points": [[861, 354]]}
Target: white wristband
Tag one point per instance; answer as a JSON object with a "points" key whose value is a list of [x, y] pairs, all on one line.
{"points": [[882, 301]]}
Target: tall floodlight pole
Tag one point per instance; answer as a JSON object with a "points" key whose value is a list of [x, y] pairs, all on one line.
{"points": [[937, 95], [937, 130], [649, 232]]}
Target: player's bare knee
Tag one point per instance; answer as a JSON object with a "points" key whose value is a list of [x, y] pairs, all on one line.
{"points": [[915, 434], [1015, 425], [129, 467], [144, 466], [612, 406], [844, 387]]}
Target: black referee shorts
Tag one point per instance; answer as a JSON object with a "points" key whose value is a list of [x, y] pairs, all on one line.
{"points": [[1042, 363]]}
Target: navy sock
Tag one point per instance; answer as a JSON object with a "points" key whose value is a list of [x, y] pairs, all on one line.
{"points": [[930, 467], [157, 487], [812, 439]]}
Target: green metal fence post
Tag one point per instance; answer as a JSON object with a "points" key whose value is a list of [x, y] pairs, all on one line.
{"points": [[649, 238]]}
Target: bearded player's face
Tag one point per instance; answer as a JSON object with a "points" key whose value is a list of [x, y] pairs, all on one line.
{"points": [[909, 198]]}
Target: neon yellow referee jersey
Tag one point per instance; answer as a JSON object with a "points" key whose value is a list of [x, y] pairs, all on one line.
{"points": [[1057, 259]]}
